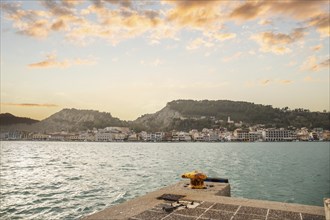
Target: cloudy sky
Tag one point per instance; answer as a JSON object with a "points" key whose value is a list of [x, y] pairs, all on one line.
{"points": [[132, 57]]}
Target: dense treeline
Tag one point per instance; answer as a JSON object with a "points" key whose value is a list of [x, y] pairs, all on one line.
{"points": [[248, 113]]}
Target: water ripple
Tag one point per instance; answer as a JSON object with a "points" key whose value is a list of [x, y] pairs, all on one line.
{"points": [[50, 180]]}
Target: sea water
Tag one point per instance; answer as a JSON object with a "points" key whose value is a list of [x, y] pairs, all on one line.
{"points": [[69, 180]]}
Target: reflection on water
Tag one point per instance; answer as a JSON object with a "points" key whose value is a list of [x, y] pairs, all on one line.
{"points": [[70, 180]]}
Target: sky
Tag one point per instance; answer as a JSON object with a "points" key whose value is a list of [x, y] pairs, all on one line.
{"points": [[130, 57]]}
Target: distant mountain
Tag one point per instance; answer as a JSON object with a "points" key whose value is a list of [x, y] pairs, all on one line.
{"points": [[78, 120], [73, 120], [9, 119], [190, 114], [158, 121], [180, 115]]}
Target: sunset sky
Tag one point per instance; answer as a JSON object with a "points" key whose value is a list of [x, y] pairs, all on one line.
{"points": [[132, 57]]}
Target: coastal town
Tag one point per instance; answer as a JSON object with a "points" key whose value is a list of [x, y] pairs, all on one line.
{"points": [[256, 133]]}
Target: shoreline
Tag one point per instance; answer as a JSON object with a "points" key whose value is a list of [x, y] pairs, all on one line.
{"points": [[68, 141]]}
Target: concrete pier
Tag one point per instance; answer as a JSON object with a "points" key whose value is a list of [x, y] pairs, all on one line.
{"points": [[211, 203]]}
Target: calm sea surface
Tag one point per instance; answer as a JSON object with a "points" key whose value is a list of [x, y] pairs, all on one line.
{"points": [[62, 180]]}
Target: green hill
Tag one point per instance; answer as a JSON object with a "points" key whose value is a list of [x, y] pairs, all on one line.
{"points": [[191, 114]]}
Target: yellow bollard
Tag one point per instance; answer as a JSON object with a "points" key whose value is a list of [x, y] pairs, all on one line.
{"points": [[196, 179]]}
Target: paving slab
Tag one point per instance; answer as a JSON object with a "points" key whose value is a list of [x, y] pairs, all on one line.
{"points": [[207, 205], [212, 214]]}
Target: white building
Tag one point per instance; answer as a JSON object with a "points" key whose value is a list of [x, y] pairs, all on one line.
{"points": [[247, 135], [40, 137], [143, 135], [133, 137], [159, 136], [103, 136], [279, 135], [241, 134], [183, 136], [230, 121], [88, 136], [119, 137]]}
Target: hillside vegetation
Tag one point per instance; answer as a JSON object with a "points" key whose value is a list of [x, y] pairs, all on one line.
{"points": [[78, 120], [180, 115], [207, 114], [9, 119], [72, 120]]}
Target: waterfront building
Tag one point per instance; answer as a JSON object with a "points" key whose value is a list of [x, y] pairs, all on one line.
{"points": [[40, 137], [279, 135], [247, 135], [103, 136], [133, 137], [326, 135], [213, 136], [143, 135], [73, 137], [150, 137], [241, 134], [197, 136], [119, 137], [56, 137], [15, 135], [168, 136], [302, 134], [87, 136], [175, 136], [255, 136], [183, 136], [4, 135], [317, 134], [159, 136]]}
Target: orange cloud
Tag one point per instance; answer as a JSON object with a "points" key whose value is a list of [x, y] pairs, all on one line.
{"points": [[117, 20], [52, 62], [28, 22], [249, 10], [59, 25], [194, 14], [321, 23], [265, 22], [293, 8], [39, 29], [309, 79], [278, 42], [285, 81], [59, 8], [123, 3], [267, 82], [220, 36], [296, 9], [317, 47], [115, 25], [197, 43], [71, 3], [312, 64], [30, 105]]}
